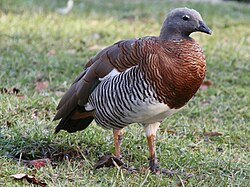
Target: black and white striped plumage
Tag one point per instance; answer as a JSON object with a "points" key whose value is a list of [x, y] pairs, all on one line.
{"points": [[125, 98]]}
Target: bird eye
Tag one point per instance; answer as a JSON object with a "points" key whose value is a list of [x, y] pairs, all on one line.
{"points": [[185, 18]]}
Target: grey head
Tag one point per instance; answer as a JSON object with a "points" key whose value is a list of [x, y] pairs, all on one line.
{"points": [[181, 22]]}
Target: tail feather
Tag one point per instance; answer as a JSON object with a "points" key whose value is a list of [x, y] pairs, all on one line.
{"points": [[72, 125], [79, 119]]}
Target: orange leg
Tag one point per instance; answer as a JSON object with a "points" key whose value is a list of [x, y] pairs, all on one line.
{"points": [[151, 138], [153, 162], [118, 135]]}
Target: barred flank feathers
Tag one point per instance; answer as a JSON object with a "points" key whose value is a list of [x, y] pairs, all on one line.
{"points": [[117, 98]]}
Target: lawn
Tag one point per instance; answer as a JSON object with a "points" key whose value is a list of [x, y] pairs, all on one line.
{"points": [[42, 51]]}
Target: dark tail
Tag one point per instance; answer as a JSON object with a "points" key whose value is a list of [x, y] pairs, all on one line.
{"points": [[73, 124]]}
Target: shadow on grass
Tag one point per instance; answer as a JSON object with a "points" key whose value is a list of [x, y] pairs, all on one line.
{"points": [[26, 148]]}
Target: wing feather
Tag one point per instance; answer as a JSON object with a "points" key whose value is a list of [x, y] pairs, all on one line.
{"points": [[121, 56]]}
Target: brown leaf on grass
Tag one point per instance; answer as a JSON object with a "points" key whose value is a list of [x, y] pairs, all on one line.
{"points": [[213, 134], [38, 163], [108, 161], [168, 131], [29, 178], [205, 85], [41, 85]]}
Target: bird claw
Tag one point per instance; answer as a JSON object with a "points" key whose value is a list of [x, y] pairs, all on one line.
{"points": [[108, 161]]}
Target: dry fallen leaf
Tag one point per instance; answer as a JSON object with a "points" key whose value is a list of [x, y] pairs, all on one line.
{"points": [[205, 85], [39, 163], [107, 161], [21, 176], [41, 85], [29, 178], [213, 134]]}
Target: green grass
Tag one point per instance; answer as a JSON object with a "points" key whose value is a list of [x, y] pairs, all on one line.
{"points": [[37, 44]]}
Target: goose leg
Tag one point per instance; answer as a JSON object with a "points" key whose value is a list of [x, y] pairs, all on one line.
{"points": [[151, 130], [118, 135]]}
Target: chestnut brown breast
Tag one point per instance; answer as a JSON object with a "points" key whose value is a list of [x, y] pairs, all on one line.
{"points": [[175, 69]]}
